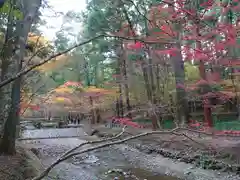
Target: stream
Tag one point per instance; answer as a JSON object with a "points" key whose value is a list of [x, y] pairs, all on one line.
{"points": [[103, 164]]}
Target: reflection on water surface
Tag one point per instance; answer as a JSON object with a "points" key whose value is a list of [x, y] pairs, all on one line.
{"points": [[135, 174]]}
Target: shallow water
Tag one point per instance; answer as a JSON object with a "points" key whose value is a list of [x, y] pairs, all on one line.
{"points": [[137, 174], [92, 166]]}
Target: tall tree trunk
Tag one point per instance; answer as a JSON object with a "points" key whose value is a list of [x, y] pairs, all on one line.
{"points": [[29, 9], [88, 82], [96, 75], [117, 109], [227, 18], [97, 110], [206, 102], [178, 66], [181, 99], [158, 89], [150, 87], [6, 54], [146, 80], [125, 79], [119, 78], [149, 94]]}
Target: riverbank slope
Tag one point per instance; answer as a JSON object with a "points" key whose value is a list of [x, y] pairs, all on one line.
{"points": [[194, 156], [24, 165]]}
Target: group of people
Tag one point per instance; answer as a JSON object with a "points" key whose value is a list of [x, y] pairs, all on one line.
{"points": [[75, 118]]}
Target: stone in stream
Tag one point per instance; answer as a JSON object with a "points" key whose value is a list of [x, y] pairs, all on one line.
{"points": [[35, 151], [95, 131]]}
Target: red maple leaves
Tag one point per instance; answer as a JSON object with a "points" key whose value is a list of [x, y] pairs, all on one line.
{"points": [[126, 121], [135, 46], [200, 42]]}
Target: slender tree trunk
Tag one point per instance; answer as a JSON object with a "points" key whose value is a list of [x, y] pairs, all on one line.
{"points": [[29, 9], [120, 78], [158, 90], [150, 87], [97, 110], [125, 79], [88, 82], [146, 80], [96, 75], [206, 102], [149, 94], [117, 109]]}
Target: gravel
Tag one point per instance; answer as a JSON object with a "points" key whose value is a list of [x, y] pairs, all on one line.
{"points": [[93, 165]]}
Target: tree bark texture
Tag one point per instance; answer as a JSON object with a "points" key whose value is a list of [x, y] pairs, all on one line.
{"points": [[29, 9]]}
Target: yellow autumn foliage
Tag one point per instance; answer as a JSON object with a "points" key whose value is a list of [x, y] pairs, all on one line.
{"points": [[100, 90], [58, 62], [104, 93], [62, 99], [38, 40], [63, 89], [191, 72]]}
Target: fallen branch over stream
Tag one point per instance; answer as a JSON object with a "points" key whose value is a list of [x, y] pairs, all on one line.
{"points": [[70, 153], [67, 153]]}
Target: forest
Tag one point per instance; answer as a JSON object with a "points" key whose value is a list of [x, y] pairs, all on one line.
{"points": [[154, 64], [151, 62]]}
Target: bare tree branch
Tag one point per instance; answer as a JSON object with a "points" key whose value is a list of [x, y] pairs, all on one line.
{"points": [[21, 73], [95, 142], [69, 153], [31, 98], [45, 173]]}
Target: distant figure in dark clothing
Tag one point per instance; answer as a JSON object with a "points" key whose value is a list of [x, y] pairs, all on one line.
{"points": [[49, 116], [78, 119], [69, 118], [74, 120]]}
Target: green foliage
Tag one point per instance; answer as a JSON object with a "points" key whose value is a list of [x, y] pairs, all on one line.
{"points": [[191, 72], [134, 57], [6, 8], [61, 42]]}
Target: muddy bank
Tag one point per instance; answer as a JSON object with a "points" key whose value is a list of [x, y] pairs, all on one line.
{"points": [[182, 157], [24, 165]]}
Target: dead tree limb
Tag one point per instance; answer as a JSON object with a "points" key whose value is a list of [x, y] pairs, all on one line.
{"points": [[45, 172], [27, 70], [95, 142], [68, 154], [23, 72]]}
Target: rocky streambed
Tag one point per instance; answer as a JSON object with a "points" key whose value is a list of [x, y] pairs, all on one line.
{"points": [[135, 160], [102, 164], [216, 158]]}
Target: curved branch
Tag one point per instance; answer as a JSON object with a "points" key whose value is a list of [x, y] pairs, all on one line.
{"points": [[45, 172], [21, 73], [94, 142], [27, 70], [69, 153]]}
